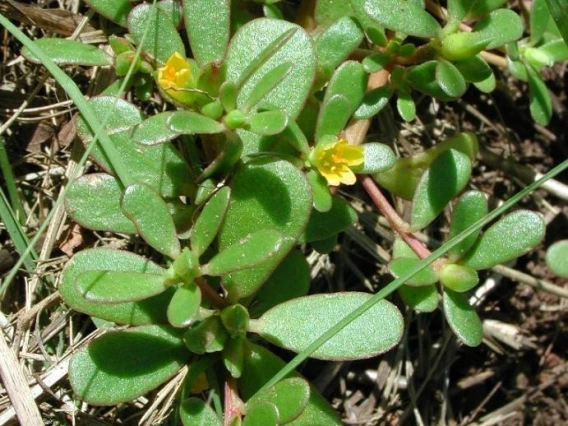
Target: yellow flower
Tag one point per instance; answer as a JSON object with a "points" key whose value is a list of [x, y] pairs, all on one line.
{"points": [[334, 160], [175, 78]]}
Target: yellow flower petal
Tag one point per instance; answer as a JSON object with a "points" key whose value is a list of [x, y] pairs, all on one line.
{"points": [[175, 78], [334, 160]]}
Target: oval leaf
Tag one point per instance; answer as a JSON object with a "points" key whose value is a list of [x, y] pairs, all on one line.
{"points": [[421, 299], [184, 305], [557, 258], [402, 265], [471, 207], [500, 27], [251, 251], [337, 42], [152, 218], [320, 189], [194, 411], [124, 365], [115, 10], [93, 201], [69, 52], [209, 221], [329, 223], [263, 414], [450, 79], [540, 102], [378, 158], [265, 85], [267, 123], [149, 311], [510, 237], [443, 180], [155, 130], [374, 332], [118, 286], [463, 319], [373, 102]]}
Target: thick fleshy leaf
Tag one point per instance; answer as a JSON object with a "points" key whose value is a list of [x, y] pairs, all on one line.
{"points": [[343, 96], [267, 123], [443, 180], [374, 332], [405, 106], [149, 311], [378, 158], [471, 207], [155, 130], [509, 238], [260, 365], [251, 251], [481, 8], [263, 414], [375, 62], [291, 279], [421, 299], [329, 11], [69, 52], [557, 258], [499, 27], [401, 265], [539, 19], [209, 221], [266, 194], [540, 102], [207, 336], [118, 286], [458, 278], [150, 213], [266, 84], [557, 50], [192, 123], [124, 365], [404, 16], [323, 225], [162, 39], [93, 201], [250, 41], [321, 192], [290, 396], [208, 28], [487, 85], [233, 356], [325, 246], [159, 166], [450, 79], [194, 411], [474, 69], [184, 305], [373, 102], [462, 318], [423, 78], [337, 42], [115, 10]]}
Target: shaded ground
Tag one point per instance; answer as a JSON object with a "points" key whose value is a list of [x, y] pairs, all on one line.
{"points": [[517, 377]]}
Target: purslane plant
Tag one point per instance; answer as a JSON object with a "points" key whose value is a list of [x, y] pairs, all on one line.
{"points": [[235, 177]]}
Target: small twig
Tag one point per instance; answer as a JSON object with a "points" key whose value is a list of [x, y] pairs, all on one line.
{"points": [[537, 283], [210, 294]]}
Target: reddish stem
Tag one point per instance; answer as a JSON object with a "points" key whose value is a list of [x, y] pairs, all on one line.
{"points": [[210, 294], [233, 403]]}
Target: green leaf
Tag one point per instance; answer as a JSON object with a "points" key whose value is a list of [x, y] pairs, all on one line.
{"points": [[266, 194], [253, 250], [290, 396], [443, 180], [191, 123], [474, 69], [539, 19], [343, 96], [291, 279], [115, 10], [540, 102], [450, 79], [462, 45], [148, 311], [487, 85], [162, 39], [230, 154], [207, 336], [374, 332], [233, 356], [471, 207], [421, 299], [124, 365], [373, 102], [375, 62], [194, 411], [509, 238], [118, 286], [266, 84], [93, 201], [296, 47], [267, 123], [337, 42], [228, 93], [208, 28], [155, 130], [150, 213], [209, 221], [404, 16], [401, 265], [462, 318], [323, 225], [559, 13], [325, 246], [263, 414], [159, 166], [321, 192], [499, 27], [69, 52], [480, 8], [378, 158], [329, 11], [405, 106], [423, 78], [260, 365], [458, 278], [557, 258], [184, 305], [557, 50]]}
